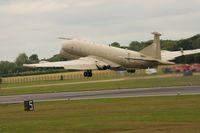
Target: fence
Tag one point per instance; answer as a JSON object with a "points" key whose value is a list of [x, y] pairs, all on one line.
{"points": [[54, 77], [70, 76]]}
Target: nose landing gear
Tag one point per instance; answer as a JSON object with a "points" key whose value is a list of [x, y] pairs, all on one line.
{"points": [[87, 73]]}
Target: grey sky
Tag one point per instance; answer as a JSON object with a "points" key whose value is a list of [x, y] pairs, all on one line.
{"points": [[33, 26]]}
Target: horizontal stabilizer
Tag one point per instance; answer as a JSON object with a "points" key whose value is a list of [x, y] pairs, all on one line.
{"points": [[171, 55]]}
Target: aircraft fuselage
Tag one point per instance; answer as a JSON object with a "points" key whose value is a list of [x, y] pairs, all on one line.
{"points": [[74, 49]]}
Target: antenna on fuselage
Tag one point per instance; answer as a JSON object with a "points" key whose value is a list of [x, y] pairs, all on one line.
{"points": [[65, 38]]}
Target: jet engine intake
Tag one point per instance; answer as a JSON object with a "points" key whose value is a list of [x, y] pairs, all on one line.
{"points": [[131, 70], [103, 67]]}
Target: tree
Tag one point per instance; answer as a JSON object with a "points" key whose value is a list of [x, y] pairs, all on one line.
{"points": [[169, 45], [7, 67], [21, 59], [197, 58], [196, 43], [33, 58], [55, 58], [115, 44], [134, 45], [137, 46]]}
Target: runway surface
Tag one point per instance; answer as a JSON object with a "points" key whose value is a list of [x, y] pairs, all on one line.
{"points": [[136, 92]]}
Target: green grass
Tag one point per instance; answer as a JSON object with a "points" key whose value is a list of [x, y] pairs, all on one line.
{"points": [[129, 83], [126, 115]]}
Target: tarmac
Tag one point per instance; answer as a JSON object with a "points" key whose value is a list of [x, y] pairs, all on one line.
{"points": [[117, 93]]}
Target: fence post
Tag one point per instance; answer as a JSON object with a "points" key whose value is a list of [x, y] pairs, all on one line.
{"points": [[0, 82]]}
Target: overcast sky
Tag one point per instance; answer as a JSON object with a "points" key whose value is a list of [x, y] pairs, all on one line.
{"points": [[33, 26]]}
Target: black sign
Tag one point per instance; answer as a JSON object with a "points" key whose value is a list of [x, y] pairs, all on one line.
{"points": [[29, 105]]}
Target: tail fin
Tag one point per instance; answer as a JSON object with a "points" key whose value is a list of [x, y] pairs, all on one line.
{"points": [[153, 50]]}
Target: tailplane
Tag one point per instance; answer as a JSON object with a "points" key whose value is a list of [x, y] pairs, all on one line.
{"points": [[153, 50]]}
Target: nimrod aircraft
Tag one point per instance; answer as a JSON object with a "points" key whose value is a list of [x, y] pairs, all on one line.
{"points": [[86, 56]]}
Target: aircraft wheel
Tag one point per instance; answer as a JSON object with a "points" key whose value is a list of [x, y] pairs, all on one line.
{"points": [[87, 73]]}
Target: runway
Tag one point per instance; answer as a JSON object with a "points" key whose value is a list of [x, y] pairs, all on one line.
{"points": [[136, 92]]}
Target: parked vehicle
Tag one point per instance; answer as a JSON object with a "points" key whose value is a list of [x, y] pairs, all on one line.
{"points": [[195, 67], [181, 68]]}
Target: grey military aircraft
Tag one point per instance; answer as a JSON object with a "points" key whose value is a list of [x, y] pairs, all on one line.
{"points": [[87, 56]]}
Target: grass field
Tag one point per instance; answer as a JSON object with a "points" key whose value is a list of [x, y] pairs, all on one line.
{"points": [[82, 85], [169, 114]]}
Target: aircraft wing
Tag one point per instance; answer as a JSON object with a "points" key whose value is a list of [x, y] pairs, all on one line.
{"points": [[171, 55], [84, 63]]}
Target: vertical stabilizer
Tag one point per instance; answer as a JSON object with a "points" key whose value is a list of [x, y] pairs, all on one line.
{"points": [[153, 50]]}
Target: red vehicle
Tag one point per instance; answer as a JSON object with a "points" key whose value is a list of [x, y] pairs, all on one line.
{"points": [[181, 68], [195, 67]]}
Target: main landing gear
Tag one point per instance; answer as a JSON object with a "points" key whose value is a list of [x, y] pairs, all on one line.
{"points": [[87, 73]]}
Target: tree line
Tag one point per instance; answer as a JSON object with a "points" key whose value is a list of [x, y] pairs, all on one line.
{"points": [[170, 45], [15, 68]]}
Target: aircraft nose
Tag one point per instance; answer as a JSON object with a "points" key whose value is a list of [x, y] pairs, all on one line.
{"points": [[68, 45]]}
